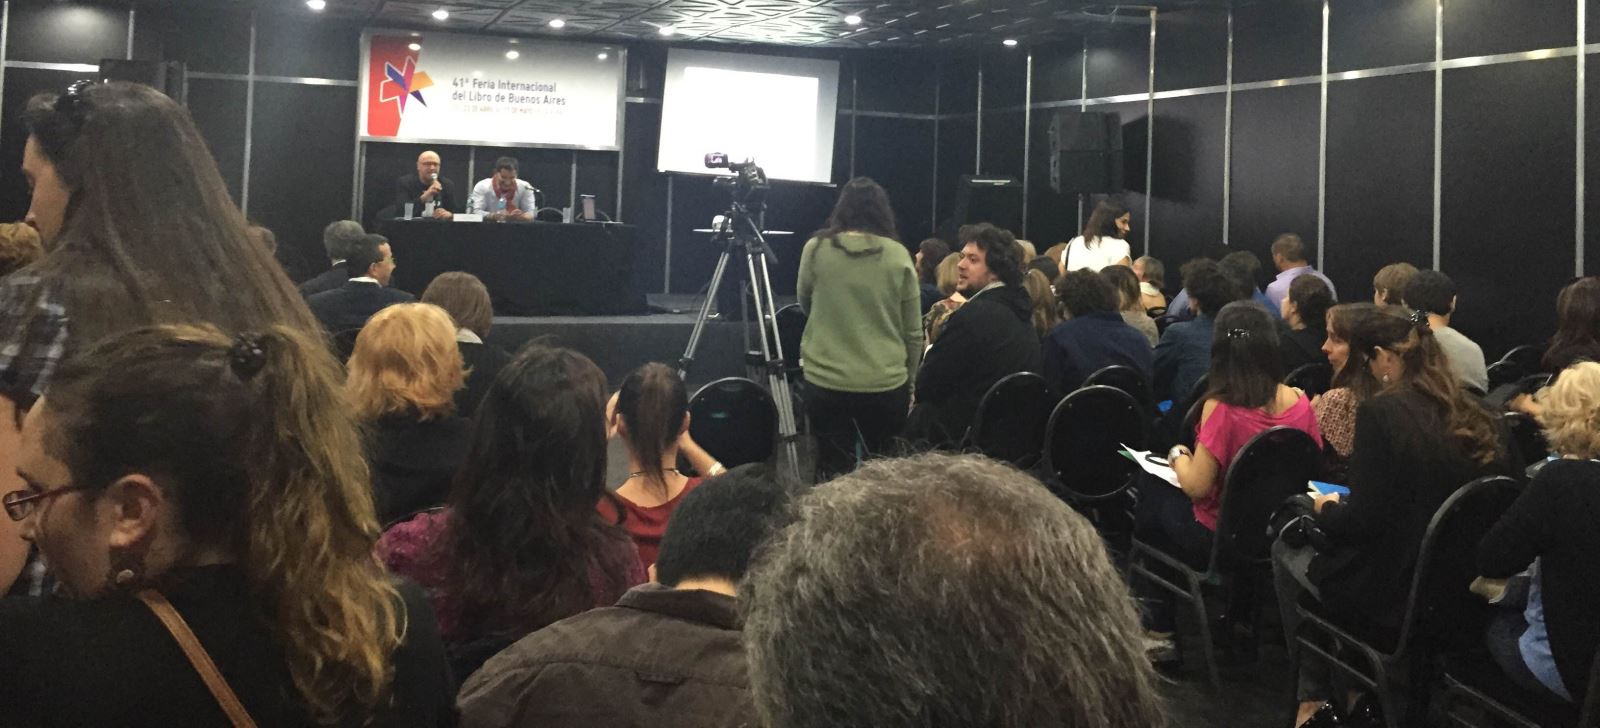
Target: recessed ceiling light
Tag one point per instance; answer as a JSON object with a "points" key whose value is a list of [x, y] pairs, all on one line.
{"points": [[415, 46], [317, 4], [441, 14], [558, 23], [514, 41], [667, 30], [1009, 42], [603, 55], [513, 55], [852, 20]]}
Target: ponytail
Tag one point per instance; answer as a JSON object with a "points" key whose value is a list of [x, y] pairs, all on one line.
{"points": [[653, 404]]}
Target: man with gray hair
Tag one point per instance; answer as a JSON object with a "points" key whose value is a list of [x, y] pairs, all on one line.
{"points": [[942, 590], [337, 238]]}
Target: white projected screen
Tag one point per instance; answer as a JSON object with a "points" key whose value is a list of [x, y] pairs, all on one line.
{"points": [[777, 111]]}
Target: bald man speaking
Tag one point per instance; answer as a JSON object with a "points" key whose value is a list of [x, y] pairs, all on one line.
{"points": [[424, 187]]}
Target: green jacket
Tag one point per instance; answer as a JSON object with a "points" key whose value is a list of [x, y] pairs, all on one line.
{"points": [[864, 308]]}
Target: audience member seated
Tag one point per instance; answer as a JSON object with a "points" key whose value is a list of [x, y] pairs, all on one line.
{"points": [[1092, 337], [1353, 381], [337, 239], [1417, 441], [1184, 352], [1243, 267], [174, 468], [1548, 647], [349, 306], [1152, 279], [402, 382], [1290, 256], [668, 653], [263, 236], [930, 253], [1577, 325], [863, 342], [1434, 294], [1389, 285], [987, 338], [949, 285], [1129, 301], [520, 545], [650, 414], [1045, 313], [942, 591], [467, 301], [1244, 396], [1303, 330], [19, 247], [1046, 265], [1103, 241], [1028, 251]]}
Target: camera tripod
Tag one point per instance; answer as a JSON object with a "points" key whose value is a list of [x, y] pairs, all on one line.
{"points": [[740, 232]]}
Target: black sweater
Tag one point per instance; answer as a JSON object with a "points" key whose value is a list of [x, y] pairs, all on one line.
{"points": [[990, 336], [1555, 521], [1402, 468]]}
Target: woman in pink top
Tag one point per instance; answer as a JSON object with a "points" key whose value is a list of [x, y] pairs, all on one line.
{"points": [[650, 413], [1246, 396]]}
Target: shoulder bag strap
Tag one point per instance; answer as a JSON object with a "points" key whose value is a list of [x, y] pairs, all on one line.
{"points": [[197, 657]]}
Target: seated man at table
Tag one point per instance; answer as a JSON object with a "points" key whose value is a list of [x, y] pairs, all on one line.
{"points": [[348, 307], [424, 187], [503, 196]]}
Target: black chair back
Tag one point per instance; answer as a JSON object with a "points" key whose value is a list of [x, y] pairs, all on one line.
{"points": [[1441, 611], [344, 343], [791, 327], [1504, 372], [1313, 378], [735, 420], [1127, 379], [1527, 437], [1081, 442], [1529, 357], [1196, 393], [1271, 467], [1010, 422]]}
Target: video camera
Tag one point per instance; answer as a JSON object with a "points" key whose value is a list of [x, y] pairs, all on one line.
{"points": [[748, 184]]}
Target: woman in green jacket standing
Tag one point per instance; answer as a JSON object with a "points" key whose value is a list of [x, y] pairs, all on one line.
{"points": [[863, 336]]}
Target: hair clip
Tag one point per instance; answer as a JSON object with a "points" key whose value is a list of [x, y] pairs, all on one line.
{"points": [[1419, 319], [1237, 333], [247, 356]]}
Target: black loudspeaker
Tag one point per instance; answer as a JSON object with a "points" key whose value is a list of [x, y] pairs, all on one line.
{"points": [[1085, 152], [164, 76], [995, 200]]}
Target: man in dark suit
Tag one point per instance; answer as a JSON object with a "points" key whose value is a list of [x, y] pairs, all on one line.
{"points": [[337, 238], [424, 187], [348, 307]]}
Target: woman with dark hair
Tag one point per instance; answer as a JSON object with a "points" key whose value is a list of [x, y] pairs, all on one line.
{"points": [[175, 469], [520, 545], [138, 228], [1417, 440], [466, 299], [1129, 301], [650, 414], [1046, 312], [1353, 381], [1103, 241], [1303, 329], [1244, 396], [863, 338], [1577, 325], [930, 253]]}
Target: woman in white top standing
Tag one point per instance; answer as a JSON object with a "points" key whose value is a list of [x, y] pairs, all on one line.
{"points": [[1101, 243]]}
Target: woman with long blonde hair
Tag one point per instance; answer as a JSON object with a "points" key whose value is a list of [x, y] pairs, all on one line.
{"points": [[176, 469]]}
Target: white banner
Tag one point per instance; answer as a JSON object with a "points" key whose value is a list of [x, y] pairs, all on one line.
{"points": [[472, 89]]}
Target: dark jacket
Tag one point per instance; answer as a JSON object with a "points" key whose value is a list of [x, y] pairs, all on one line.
{"points": [[987, 338], [660, 657], [484, 362], [349, 306], [327, 280], [408, 191], [1302, 347], [413, 462], [1182, 357], [1079, 346]]}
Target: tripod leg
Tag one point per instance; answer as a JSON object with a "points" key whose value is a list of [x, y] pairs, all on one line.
{"points": [[705, 313], [772, 353]]}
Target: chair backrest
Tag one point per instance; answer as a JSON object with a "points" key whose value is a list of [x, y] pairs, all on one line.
{"points": [[1196, 393], [1441, 611], [735, 420], [1313, 378], [1127, 379], [1504, 372], [1527, 356], [344, 343], [791, 327], [1528, 438], [1010, 421], [1085, 432], [1271, 467]]}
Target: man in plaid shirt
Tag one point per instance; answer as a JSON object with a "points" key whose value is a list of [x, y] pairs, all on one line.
{"points": [[33, 341]]}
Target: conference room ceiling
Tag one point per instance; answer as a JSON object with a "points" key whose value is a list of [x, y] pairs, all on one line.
{"points": [[817, 23]]}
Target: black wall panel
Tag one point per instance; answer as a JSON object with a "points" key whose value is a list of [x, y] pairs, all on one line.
{"points": [[299, 182], [898, 153], [597, 175], [644, 195], [1508, 196], [21, 85], [1375, 33], [1186, 196], [1380, 179], [1058, 71], [286, 47], [59, 33], [800, 208], [904, 85], [209, 41], [958, 84], [1003, 134], [647, 70], [1484, 27], [1191, 48], [1277, 39], [1135, 128], [1274, 170], [1052, 216], [218, 110], [1591, 182], [1119, 61], [958, 148], [1005, 78]]}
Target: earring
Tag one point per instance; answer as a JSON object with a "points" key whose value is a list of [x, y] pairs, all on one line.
{"points": [[124, 577], [1385, 377]]}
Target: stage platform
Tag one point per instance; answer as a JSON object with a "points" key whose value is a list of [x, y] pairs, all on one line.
{"points": [[620, 344]]}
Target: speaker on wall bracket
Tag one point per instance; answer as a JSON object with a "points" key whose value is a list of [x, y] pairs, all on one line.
{"points": [[1085, 152]]}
